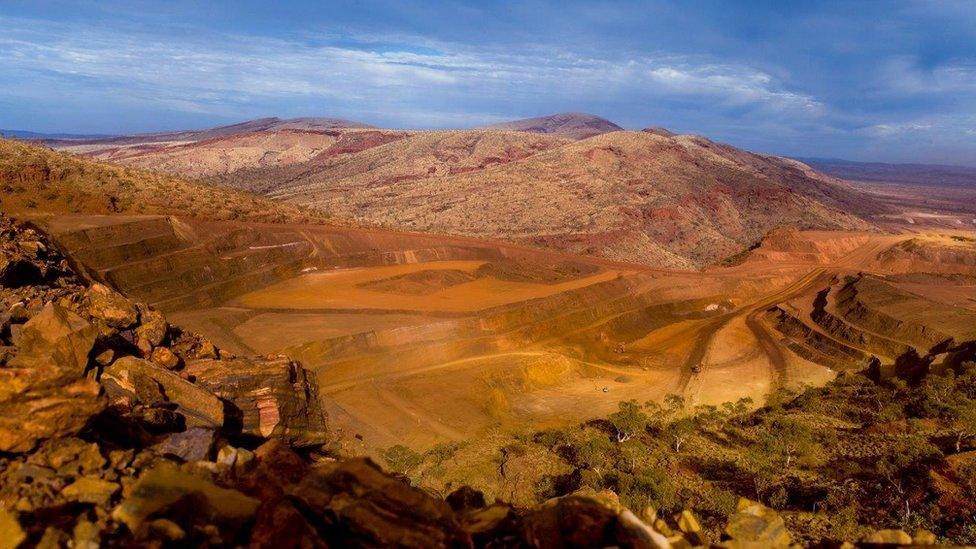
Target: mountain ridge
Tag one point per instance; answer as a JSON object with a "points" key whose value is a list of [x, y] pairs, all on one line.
{"points": [[575, 125]]}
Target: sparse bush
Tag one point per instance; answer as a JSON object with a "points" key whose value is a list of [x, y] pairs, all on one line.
{"points": [[401, 459]]}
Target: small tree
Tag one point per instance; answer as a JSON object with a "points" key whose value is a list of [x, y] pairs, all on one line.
{"points": [[904, 464], [789, 439], [680, 430], [963, 414], [629, 420], [592, 452]]}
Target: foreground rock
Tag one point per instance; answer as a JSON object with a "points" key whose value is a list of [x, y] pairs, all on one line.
{"points": [[97, 412], [44, 391], [273, 397]]}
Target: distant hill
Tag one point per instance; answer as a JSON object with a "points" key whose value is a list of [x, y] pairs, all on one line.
{"points": [[572, 182], [680, 201], [251, 126], [36, 180], [574, 125], [911, 174], [22, 134], [220, 157]]}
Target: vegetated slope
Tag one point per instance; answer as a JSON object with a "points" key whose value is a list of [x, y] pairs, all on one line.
{"points": [[35, 179], [574, 125], [673, 201], [264, 149], [380, 173], [258, 125]]}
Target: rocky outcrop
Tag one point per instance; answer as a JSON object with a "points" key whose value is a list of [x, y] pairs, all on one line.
{"points": [[272, 397], [44, 390], [101, 401]]}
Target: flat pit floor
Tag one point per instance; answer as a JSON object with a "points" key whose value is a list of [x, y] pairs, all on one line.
{"points": [[353, 289]]}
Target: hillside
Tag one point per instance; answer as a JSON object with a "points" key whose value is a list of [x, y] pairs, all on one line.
{"points": [[119, 429], [221, 156], [650, 197], [38, 180], [258, 125], [675, 201], [574, 125], [422, 156]]}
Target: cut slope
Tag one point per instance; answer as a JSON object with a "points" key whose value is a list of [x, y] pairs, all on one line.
{"points": [[37, 180], [677, 201], [574, 125]]}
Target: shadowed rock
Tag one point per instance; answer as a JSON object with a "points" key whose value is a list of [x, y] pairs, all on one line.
{"points": [[275, 398], [200, 407]]}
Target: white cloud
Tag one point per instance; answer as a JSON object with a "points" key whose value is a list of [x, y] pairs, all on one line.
{"points": [[906, 75], [222, 72], [736, 86], [895, 129]]}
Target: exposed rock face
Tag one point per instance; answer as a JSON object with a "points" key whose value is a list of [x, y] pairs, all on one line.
{"points": [[81, 413], [355, 500], [44, 392], [144, 382], [273, 397], [588, 520], [165, 486]]}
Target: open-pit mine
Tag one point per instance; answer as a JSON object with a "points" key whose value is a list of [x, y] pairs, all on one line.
{"points": [[418, 339]]}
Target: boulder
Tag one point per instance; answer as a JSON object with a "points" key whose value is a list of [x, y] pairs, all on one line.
{"points": [[44, 392], [754, 522], [491, 524], [165, 358], [91, 489], [86, 535], [165, 486], [200, 407], [194, 444], [153, 327], [11, 533], [587, 520], [282, 525], [274, 398], [924, 537], [466, 499], [166, 529], [355, 504], [889, 537], [111, 307]]}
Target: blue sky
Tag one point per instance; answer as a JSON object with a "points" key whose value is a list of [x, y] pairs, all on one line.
{"points": [[885, 81]]}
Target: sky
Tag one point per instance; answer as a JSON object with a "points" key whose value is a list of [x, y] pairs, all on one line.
{"points": [[884, 81]]}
